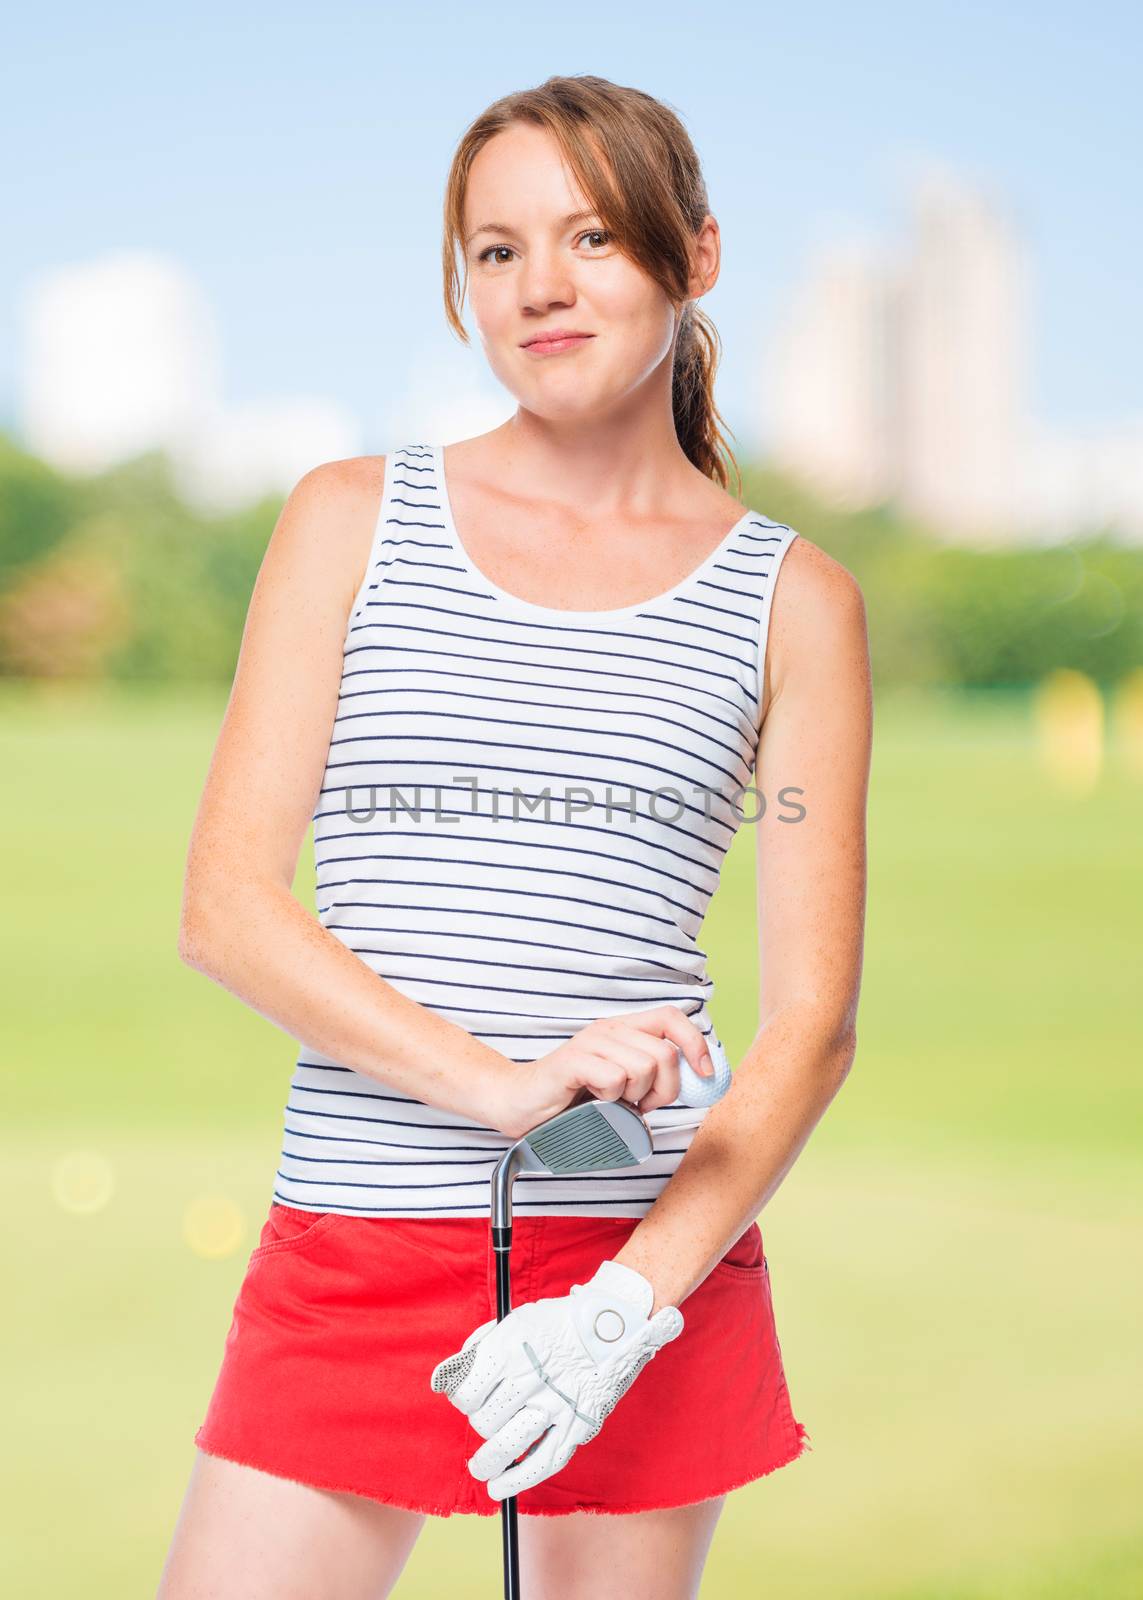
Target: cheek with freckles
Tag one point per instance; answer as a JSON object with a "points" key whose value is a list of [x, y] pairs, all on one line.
{"points": [[633, 326]]}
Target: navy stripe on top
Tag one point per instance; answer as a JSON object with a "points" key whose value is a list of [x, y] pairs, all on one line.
{"points": [[521, 823]]}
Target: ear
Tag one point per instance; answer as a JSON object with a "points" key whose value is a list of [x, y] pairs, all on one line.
{"points": [[706, 258]]}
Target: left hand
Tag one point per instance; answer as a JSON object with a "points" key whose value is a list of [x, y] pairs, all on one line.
{"points": [[551, 1372]]}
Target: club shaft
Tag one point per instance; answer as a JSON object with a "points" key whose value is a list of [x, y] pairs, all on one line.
{"points": [[502, 1249], [510, 1548]]}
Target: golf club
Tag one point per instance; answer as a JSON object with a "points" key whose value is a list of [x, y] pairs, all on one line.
{"points": [[587, 1136]]}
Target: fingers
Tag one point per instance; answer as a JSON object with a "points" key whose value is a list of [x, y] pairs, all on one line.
{"points": [[546, 1461], [451, 1374], [633, 1056], [523, 1430], [518, 1386], [644, 1046], [664, 1087], [469, 1376], [635, 1063], [655, 1080], [668, 1022]]}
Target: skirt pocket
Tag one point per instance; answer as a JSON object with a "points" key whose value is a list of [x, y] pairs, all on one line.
{"points": [[745, 1258], [288, 1228]]}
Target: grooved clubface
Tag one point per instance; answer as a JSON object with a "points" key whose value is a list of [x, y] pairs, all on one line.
{"points": [[580, 1141]]}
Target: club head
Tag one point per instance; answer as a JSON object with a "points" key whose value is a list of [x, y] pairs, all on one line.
{"points": [[588, 1136]]}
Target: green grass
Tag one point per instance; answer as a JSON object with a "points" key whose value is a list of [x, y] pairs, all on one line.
{"points": [[954, 1258]]}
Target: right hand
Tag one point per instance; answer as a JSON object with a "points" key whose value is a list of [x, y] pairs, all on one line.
{"points": [[632, 1057]]}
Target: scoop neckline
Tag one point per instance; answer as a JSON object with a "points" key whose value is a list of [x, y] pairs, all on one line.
{"points": [[524, 607]]}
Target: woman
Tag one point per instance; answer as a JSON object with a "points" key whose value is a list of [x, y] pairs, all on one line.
{"points": [[473, 624]]}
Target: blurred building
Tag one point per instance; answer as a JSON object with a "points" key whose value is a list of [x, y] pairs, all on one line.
{"points": [[960, 444], [905, 379], [837, 423]]}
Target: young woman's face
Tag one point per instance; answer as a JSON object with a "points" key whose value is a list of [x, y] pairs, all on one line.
{"points": [[534, 268]]}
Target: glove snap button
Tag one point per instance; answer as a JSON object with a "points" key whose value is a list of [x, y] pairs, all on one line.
{"points": [[609, 1326]]}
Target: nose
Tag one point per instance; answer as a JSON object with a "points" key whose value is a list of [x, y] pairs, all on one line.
{"points": [[545, 282]]}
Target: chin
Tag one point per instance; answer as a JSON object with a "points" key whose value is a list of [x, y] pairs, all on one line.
{"points": [[568, 394], [577, 408]]}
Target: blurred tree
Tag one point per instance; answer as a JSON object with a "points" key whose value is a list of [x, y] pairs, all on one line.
{"points": [[115, 575], [37, 507]]}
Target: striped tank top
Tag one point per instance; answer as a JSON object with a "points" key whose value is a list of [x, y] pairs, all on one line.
{"points": [[521, 824]]}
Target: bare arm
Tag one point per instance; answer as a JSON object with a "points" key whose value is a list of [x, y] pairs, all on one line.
{"points": [[816, 736], [241, 924]]}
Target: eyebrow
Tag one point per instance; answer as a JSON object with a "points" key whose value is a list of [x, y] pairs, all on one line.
{"points": [[504, 227]]}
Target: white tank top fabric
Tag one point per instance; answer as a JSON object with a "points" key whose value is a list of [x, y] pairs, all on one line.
{"points": [[514, 905]]}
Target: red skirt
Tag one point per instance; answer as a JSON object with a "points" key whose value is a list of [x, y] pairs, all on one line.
{"points": [[341, 1319]]}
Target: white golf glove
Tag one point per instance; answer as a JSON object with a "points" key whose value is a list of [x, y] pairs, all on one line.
{"points": [[551, 1372]]}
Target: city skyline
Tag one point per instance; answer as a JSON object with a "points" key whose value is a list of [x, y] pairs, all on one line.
{"points": [[903, 375], [900, 374], [290, 177]]}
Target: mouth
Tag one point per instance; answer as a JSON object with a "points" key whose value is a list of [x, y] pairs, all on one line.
{"points": [[554, 341]]}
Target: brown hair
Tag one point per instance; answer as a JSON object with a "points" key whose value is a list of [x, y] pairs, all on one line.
{"points": [[652, 199]]}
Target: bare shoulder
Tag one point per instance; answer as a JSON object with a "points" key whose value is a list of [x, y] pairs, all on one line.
{"points": [[331, 512], [818, 632], [334, 484], [818, 611]]}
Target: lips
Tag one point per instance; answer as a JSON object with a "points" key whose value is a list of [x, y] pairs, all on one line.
{"points": [[550, 334], [556, 336]]}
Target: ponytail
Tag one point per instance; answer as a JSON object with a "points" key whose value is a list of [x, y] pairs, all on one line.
{"points": [[697, 418]]}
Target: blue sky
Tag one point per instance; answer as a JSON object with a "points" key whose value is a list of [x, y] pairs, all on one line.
{"points": [[293, 161]]}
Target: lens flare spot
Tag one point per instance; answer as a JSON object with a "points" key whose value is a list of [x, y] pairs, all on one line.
{"points": [[213, 1227], [83, 1181], [1070, 722]]}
